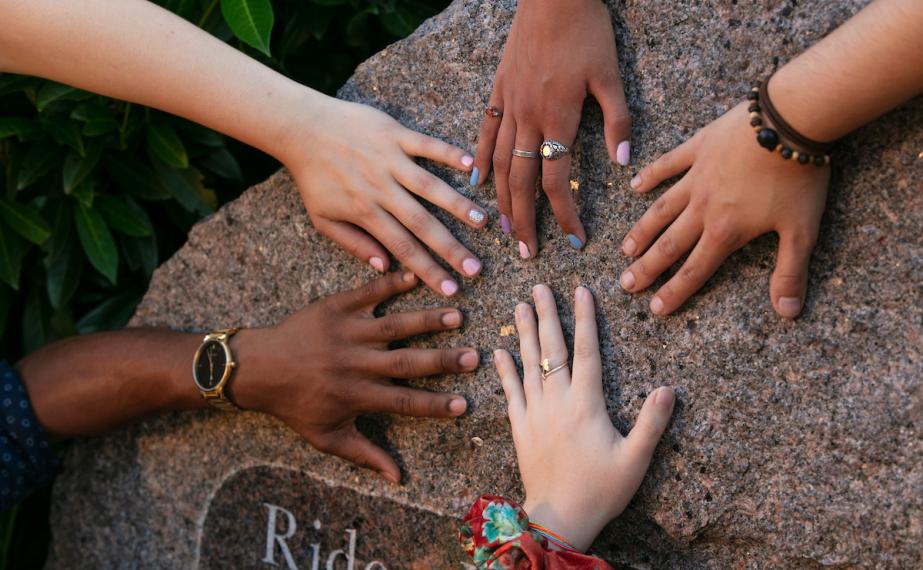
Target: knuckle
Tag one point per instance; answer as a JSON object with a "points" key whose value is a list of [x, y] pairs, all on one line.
{"points": [[520, 184], [424, 182], [389, 328], [447, 360], [405, 248], [418, 222], [690, 273], [661, 206], [501, 163], [403, 404], [583, 350], [403, 365], [667, 246], [723, 231]]}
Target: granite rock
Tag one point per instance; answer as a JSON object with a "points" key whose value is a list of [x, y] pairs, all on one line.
{"points": [[795, 444]]}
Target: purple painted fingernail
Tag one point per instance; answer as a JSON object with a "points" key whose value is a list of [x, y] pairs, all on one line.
{"points": [[471, 266], [524, 251], [505, 224], [623, 153], [467, 160], [449, 287]]}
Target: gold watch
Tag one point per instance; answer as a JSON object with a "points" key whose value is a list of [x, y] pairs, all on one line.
{"points": [[212, 368]]}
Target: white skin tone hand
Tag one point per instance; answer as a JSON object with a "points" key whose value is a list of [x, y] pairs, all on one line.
{"points": [[578, 471], [354, 165]]}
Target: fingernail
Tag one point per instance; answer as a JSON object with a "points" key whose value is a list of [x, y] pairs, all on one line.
{"points": [[378, 263], [451, 319], [627, 280], [496, 354], [474, 176], [524, 250], [458, 406], [575, 242], [408, 277], [471, 266], [623, 153], [476, 216], [449, 287], [390, 477], [656, 305], [629, 246], [664, 398], [467, 160], [468, 360], [505, 224], [635, 182], [789, 307]]}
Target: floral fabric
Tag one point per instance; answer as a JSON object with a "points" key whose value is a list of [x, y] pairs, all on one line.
{"points": [[496, 536]]}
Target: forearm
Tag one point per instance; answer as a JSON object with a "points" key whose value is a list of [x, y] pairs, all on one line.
{"points": [[91, 384], [139, 52], [869, 65]]}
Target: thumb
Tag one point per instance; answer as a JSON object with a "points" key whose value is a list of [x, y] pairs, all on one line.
{"points": [[653, 419], [610, 94], [354, 447], [789, 282]]}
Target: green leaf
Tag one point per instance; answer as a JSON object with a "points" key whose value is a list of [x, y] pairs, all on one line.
{"points": [[97, 241], [40, 158], [111, 314], [36, 321], [182, 185], [51, 92], [85, 192], [10, 83], [77, 168], [96, 117], [140, 254], [136, 177], [251, 21], [61, 220], [65, 132], [165, 144], [398, 23], [124, 216], [201, 135], [17, 127], [183, 8], [12, 250], [6, 300], [25, 221], [223, 163], [63, 271]]}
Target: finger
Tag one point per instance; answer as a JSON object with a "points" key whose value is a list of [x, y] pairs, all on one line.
{"points": [[391, 328], [430, 231], [419, 362], [429, 187], [487, 140], [418, 144], [610, 94], [375, 292], [354, 241], [512, 386], [556, 184], [523, 173], [667, 166], [789, 282], [530, 351], [390, 399], [502, 158], [652, 421], [354, 447], [674, 243], [587, 364], [550, 335], [409, 252], [661, 213], [707, 256]]}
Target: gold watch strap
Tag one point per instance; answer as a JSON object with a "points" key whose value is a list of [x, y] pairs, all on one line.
{"points": [[217, 398]]}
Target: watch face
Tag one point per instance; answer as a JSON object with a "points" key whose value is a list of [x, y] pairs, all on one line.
{"points": [[210, 366]]}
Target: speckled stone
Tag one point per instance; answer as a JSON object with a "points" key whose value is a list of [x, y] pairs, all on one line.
{"points": [[794, 444]]}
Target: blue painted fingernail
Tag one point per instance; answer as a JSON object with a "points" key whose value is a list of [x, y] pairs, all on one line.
{"points": [[474, 176], [575, 242]]}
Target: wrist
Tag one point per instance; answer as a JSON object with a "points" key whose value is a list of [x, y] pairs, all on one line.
{"points": [[579, 530], [246, 388], [301, 117]]}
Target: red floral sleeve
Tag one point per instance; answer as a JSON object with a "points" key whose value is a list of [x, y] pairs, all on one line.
{"points": [[496, 535]]}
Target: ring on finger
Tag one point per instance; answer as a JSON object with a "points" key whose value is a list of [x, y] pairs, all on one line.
{"points": [[547, 370], [493, 113], [553, 150], [526, 153]]}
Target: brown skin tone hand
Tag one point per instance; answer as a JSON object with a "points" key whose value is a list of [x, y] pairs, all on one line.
{"points": [[317, 371]]}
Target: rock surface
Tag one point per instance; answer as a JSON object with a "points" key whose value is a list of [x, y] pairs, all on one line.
{"points": [[795, 444]]}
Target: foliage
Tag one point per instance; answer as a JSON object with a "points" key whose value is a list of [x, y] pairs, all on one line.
{"points": [[95, 193]]}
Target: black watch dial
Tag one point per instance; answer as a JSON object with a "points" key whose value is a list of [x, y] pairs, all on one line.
{"points": [[209, 368]]}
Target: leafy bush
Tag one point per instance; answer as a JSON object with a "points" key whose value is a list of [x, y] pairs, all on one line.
{"points": [[95, 193]]}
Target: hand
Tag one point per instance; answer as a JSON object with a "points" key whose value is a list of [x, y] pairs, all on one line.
{"points": [[734, 192], [354, 168], [578, 471], [329, 363], [555, 54]]}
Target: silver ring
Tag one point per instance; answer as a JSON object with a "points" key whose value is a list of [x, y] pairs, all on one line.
{"points": [[553, 150], [526, 153]]}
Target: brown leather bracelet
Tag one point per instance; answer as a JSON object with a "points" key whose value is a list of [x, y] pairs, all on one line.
{"points": [[785, 129]]}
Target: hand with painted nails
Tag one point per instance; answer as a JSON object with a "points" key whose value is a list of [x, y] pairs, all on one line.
{"points": [[556, 53], [355, 169], [329, 363], [577, 469]]}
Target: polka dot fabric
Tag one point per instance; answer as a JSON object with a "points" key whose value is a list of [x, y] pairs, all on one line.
{"points": [[26, 459]]}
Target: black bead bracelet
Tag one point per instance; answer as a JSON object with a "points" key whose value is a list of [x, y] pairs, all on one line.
{"points": [[769, 138]]}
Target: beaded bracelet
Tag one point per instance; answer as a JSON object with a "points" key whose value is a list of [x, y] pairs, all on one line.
{"points": [[770, 139], [552, 537]]}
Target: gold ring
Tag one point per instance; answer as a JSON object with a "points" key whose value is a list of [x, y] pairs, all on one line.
{"points": [[547, 370]]}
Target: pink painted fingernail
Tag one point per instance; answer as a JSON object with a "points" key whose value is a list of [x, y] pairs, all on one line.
{"points": [[471, 266], [468, 360], [627, 280], [524, 250], [635, 182], [449, 287], [451, 319], [629, 246], [467, 160], [623, 153], [458, 406], [656, 305], [378, 264], [505, 224]]}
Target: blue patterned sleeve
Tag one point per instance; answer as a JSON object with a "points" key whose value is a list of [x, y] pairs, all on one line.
{"points": [[26, 459]]}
